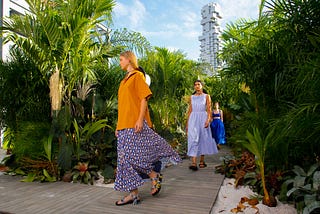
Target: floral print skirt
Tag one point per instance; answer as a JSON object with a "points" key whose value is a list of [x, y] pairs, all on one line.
{"points": [[137, 152]]}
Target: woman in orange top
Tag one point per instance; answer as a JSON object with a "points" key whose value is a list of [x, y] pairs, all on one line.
{"points": [[139, 147]]}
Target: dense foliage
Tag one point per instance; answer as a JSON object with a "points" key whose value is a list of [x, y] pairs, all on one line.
{"points": [[65, 109], [276, 60], [58, 101]]}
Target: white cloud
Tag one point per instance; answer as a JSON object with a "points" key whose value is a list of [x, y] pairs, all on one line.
{"points": [[190, 20], [120, 9], [133, 13], [137, 13], [175, 24], [235, 9], [163, 34], [172, 27]]}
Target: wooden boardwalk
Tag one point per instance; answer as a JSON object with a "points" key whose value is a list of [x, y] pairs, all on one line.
{"points": [[183, 191]]}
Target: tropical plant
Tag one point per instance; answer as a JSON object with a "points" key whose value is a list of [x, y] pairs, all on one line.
{"points": [[237, 167], [258, 145], [29, 138], [41, 167], [277, 57], [84, 173], [58, 37], [174, 76], [49, 155], [24, 92], [304, 188], [82, 136], [70, 60]]}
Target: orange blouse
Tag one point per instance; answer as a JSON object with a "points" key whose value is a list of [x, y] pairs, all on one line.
{"points": [[131, 91]]}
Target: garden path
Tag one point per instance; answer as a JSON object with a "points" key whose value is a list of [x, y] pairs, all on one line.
{"points": [[183, 191]]}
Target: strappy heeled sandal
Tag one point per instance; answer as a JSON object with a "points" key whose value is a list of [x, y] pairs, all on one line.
{"points": [[202, 165], [134, 200], [157, 185]]}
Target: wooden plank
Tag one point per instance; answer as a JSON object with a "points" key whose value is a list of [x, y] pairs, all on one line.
{"points": [[183, 191]]}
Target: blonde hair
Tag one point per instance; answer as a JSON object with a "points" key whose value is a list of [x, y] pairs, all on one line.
{"points": [[132, 59]]}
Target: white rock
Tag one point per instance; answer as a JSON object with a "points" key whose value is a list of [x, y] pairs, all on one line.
{"points": [[229, 197]]}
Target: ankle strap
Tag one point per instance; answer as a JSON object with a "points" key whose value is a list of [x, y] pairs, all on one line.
{"points": [[133, 196]]}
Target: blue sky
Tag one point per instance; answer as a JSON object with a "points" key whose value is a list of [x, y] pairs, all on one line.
{"points": [[175, 24]]}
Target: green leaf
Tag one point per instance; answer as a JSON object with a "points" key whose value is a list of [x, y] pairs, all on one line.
{"points": [[75, 176], [312, 206], [19, 171], [108, 172], [30, 177], [250, 175], [307, 187], [91, 128], [316, 180], [291, 191], [299, 171], [94, 174], [48, 147], [48, 177], [88, 175], [76, 128], [312, 169], [65, 154], [299, 181], [93, 167], [308, 199]]}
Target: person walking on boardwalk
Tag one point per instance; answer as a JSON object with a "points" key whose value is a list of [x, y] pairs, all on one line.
{"points": [[217, 126], [200, 141], [139, 147]]}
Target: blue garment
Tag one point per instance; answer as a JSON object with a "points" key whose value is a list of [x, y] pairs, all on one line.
{"points": [[200, 141], [217, 129], [139, 153]]}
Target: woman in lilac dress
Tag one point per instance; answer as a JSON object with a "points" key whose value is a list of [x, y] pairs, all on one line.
{"points": [[217, 126], [200, 141]]}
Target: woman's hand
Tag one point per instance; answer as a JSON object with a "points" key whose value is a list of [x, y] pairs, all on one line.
{"points": [[138, 126], [116, 133], [207, 123]]}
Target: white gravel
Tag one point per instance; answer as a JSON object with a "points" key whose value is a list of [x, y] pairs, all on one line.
{"points": [[229, 197]]}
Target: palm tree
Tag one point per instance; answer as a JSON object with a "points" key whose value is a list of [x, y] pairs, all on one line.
{"points": [[258, 145], [172, 77], [277, 56], [58, 36]]}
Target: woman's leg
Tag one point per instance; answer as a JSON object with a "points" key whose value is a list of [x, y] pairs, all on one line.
{"points": [[193, 165], [202, 163], [194, 161], [202, 159], [156, 179]]}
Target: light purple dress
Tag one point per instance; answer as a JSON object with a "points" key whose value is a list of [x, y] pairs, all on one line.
{"points": [[200, 141]]}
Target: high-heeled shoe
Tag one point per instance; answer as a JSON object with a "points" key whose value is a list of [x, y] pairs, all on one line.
{"points": [[134, 200], [157, 184]]}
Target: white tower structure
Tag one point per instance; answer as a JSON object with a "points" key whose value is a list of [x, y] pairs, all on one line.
{"points": [[211, 32], [7, 9]]}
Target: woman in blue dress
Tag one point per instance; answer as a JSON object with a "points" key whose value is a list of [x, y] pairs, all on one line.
{"points": [[200, 141], [217, 126]]}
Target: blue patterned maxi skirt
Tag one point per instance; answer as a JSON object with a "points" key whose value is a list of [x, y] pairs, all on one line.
{"points": [[137, 152]]}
